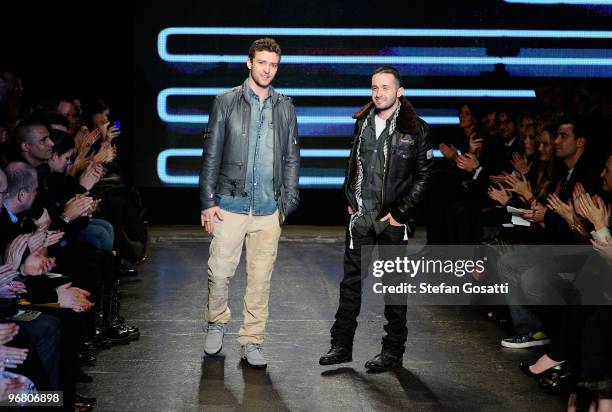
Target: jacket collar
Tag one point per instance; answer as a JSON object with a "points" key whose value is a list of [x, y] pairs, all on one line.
{"points": [[245, 92], [406, 121]]}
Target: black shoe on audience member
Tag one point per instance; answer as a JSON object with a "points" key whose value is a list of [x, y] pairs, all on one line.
{"points": [[383, 362], [86, 357], [126, 269], [82, 377], [558, 370], [80, 400], [133, 331], [115, 335]]}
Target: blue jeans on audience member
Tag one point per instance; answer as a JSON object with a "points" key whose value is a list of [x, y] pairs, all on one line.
{"points": [[99, 234]]}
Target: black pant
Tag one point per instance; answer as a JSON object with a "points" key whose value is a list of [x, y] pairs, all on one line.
{"points": [[343, 330]]}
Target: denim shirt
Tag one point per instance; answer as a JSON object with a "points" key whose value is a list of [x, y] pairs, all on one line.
{"points": [[259, 189]]}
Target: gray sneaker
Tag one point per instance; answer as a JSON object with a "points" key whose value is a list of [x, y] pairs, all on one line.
{"points": [[251, 353], [214, 339]]}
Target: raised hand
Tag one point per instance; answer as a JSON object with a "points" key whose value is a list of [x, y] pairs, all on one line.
{"points": [[604, 248], [565, 210], [36, 264], [500, 195], [475, 145], [12, 357], [520, 163], [448, 151], [12, 290], [520, 186], [468, 162], [77, 206], [73, 298], [111, 133], [594, 210], [15, 251], [7, 332]]}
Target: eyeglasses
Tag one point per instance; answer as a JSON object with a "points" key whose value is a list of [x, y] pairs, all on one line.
{"points": [[5, 193]]}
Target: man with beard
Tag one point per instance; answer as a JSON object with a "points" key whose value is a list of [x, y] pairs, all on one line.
{"points": [[388, 173], [248, 186]]}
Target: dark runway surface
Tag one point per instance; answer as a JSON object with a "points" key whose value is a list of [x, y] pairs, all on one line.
{"points": [[453, 360]]}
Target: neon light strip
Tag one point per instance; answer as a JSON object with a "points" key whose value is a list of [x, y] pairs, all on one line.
{"points": [[573, 2], [162, 169], [393, 60], [331, 92], [324, 153], [385, 32], [203, 118]]}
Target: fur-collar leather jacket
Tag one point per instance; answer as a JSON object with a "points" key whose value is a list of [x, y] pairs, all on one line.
{"points": [[408, 166]]}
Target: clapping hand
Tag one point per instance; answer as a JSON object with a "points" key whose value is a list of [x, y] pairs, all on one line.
{"points": [[500, 195], [73, 298], [12, 357], [92, 175], [565, 210], [12, 290], [468, 162], [15, 251], [520, 163], [7, 332], [520, 186], [535, 214], [604, 248], [448, 151], [594, 210]]}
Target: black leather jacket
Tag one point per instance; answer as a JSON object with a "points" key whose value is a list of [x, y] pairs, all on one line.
{"points": [[408, 167], [225, 156]]}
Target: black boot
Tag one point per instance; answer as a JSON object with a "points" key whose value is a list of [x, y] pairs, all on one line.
{"points": [[117, 321], [337, 354], [105, 329], [383, 362]]}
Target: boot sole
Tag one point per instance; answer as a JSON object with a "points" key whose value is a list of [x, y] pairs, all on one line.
{"points": [[379, 369], [324, 363]]}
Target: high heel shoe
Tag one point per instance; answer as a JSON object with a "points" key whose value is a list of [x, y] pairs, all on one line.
{"points": [[524, 367], [554, 379]]}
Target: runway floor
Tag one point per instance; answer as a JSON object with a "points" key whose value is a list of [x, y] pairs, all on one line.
{"points": [[453, 360]]}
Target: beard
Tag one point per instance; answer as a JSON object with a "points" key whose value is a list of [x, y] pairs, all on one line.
{"points": [[261, 83], [384, 105]]}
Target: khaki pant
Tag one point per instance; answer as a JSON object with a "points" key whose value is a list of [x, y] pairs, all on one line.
{"points": [[261, 234]]}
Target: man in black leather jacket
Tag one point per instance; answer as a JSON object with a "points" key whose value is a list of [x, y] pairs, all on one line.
{"points": [[386, 179], [248, 186]]}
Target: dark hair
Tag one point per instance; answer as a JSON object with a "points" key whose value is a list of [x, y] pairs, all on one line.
{"points": [[19, 176], [266, 44], [508, 112], [551, 128], [581, 126], [62, 141], [97, 106], [48, 118], [390, 70], [23, 131]]}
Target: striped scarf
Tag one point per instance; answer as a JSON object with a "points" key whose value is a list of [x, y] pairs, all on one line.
{"points": [[359, 180]]}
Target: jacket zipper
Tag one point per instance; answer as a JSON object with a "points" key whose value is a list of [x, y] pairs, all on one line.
{"points": [[382, 201]]}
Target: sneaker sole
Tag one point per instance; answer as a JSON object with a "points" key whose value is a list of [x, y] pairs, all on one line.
{"points": [[531, 344], [213, 354], [253, 366]]}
